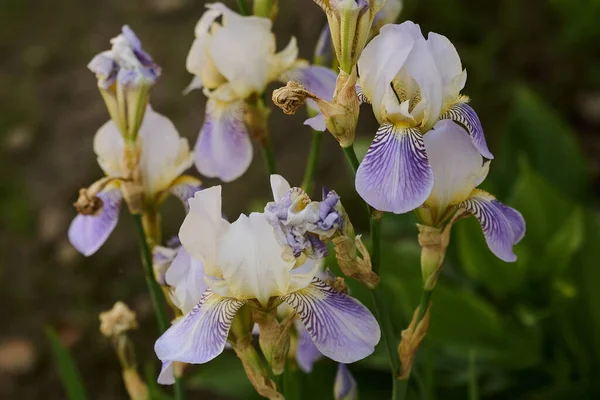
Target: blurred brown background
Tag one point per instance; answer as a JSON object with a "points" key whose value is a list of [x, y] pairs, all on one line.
{"points": [[50, 109]]}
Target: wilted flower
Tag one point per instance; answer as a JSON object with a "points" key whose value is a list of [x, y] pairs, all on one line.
{"points": [[350, 23], [234, 61], [458, 168], [117, 320], [411, 83], [245, 264], [301, 223], [160, 156], [125, 73]]}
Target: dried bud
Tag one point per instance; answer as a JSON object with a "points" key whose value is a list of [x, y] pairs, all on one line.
{"points": [[411, 340], [118, 320], [354, 260], [136, 388], [291, 97], [337, 283], [255, 370], [274, 339], [87, 204]]}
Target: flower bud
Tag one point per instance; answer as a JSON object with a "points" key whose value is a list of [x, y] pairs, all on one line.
{"points": [[434, 242], [411, 340], [350, 23], [274, 338]]}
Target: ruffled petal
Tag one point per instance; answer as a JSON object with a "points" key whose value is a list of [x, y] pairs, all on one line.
{"points": [[340, 326], [345, 387], [224, 149], [306, 351], [395, 175], [463, 114], [502, 226], [185, 276], [88, 233], [184, 189], [201, 335]]}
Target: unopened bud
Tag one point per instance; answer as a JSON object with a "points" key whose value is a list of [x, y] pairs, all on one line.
{"points": [[274, 338], [434, 243], [117, 320], [255, 370], [411, 340]]}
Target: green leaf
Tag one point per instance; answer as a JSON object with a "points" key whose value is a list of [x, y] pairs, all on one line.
{"points": [[549, 144], [565, 243], [67, 369]]}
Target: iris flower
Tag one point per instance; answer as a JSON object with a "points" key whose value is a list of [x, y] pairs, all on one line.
{"points": [[163, 157], [246, 264], [412, 83], [233, 61]]}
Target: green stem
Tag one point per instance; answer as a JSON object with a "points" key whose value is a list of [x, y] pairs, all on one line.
{"points": [[268, 156], [243, 7], [311, 163], [385, 322], [424, 304], [473, 385], [156, 294]]}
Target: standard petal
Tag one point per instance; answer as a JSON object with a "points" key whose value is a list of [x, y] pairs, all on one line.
{"points": [[224, 149], [186, 278], [463, 114], [167, 375], [165, 155], [184, 189], [395, 175], [108, 146], [448, 64], [378, 65], [279, 186], [345, 387], [340, 326], [88, 233], [502, 226], [306, 351], [457, 165], [203, 227], [201, 335], [251, 260]]}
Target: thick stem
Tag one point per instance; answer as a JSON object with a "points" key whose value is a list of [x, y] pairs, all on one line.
{"points": [[311, 163], [351, 157]]}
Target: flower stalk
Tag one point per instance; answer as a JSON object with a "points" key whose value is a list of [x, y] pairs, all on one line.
{"points": [[311, 163]]}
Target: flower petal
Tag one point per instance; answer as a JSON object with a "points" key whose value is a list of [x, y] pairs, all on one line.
{"points": [[251, 261], [448, 64], [315, 78], [88, 233], [463, 114], [167, 375], [184, 189], [108, 146], [201, 335], [165, 155], [224, 149], [186, 278], [203, 227], [317, 122], [340, 326], [503, 227], [395, 175], [306, 351], [279, 186], [345, 387], [456, 164]]}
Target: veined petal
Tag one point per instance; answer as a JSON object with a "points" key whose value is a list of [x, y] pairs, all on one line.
{"points": [[186, 278], [463, 114], [201, 335], [457, 165], [108, 146], [224, 149], [345, 387], [306, 351], [88, 233], [184, 189], [203, 227], [395, 175], [340, 327], [251, 261], [167, 375], [300, 277], [165, 155], [502, 226]]}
